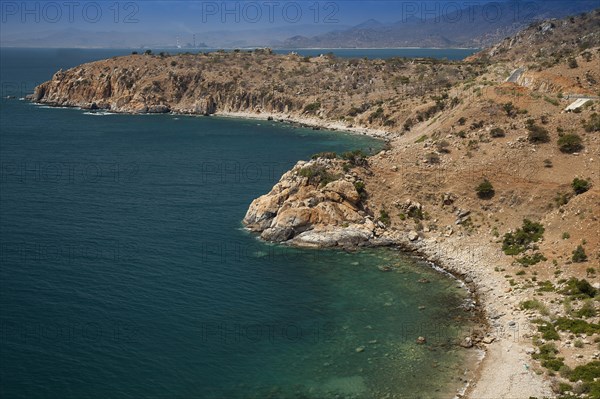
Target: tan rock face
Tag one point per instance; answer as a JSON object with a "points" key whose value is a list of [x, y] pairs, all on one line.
{"points": [[309, 213]]}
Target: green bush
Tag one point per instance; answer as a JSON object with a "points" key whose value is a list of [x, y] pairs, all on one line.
{"points": [[548, 332], [537, 134], [485, 190], [318, 174], [546, 286], [384, 217], [593, 125], [497, 132], [312, 108], [510, 109], [580, 186], [534, 304], [517, 242], [579, 255], [572, 62], [570, 143], [553, 364], [586, 372], [588, 309], [356, 157], [532, 260], [579, 288], [360, 189], [577, 326]]}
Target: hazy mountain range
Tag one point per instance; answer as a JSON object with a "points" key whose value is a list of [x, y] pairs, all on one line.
{"points": [[468, 27], [476, 26]]}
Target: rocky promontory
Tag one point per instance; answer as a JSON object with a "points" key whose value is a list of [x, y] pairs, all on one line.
{"points": [[314, 204]]}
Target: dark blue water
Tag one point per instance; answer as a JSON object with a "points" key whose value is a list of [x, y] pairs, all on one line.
{"points": [[125, 272]]}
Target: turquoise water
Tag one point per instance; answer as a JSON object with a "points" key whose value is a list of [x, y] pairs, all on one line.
{"points": [[125, 272]]}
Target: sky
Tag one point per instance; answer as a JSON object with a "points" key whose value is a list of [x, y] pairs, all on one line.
{"points": [[198, 16], [24, 17]]}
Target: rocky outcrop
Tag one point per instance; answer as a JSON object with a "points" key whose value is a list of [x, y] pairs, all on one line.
{"points": [[151, 84], [313, 205]]}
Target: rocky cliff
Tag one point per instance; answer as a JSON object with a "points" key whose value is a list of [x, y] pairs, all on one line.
{"points": [[314, 204], [376, 94]]}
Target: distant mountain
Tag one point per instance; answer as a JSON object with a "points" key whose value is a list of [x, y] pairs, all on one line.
{"points": [[80, 38], [475, 26]]}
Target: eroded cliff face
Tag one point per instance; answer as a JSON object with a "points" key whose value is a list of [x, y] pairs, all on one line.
{"points": [[151, 87], [376, 94], [314, 204]]}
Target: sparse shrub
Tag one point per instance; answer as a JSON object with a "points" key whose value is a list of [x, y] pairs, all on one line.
{"points": [[579, 255], [318, 174], [326, 155], [593, 125], [416, 213], [588, 309], [534, 304], [462, 121], [561, 199], [579, 289], [517, 242], [566, 235], [312, 108], [570, 143], [532, 260], [497, 132], [510, 109], [548, 333], [564, 387], [537, 134], [580, 186], [443, 146], [477, 125], [572, 62], [547, 163], [148, 52], [577, 326], [432, 157], [384, 217], [377, 114], [356, 157], [360, 189], [485, 190]]}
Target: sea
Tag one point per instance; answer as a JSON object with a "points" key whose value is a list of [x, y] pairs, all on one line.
{"points": [[125, 271]]}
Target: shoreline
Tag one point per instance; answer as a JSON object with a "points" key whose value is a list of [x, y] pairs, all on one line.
{"points": [[500, 360], [317, 123]]}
